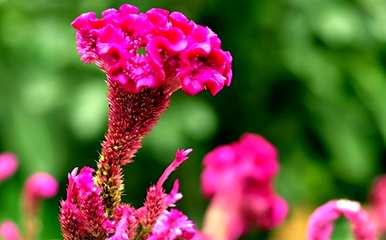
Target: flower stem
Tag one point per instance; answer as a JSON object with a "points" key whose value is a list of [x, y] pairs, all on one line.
{"points": [[131, 117]]}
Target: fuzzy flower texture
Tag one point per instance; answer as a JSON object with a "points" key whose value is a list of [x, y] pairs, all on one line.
{"points": [[153, 49]]}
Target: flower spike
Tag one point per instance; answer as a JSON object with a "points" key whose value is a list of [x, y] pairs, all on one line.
{"points": [[157, 201], [181, 156]]}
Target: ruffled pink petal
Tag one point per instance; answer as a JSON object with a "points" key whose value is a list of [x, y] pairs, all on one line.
{"points": [[175, 50]]}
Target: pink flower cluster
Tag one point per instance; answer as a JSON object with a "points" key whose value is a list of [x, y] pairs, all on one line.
{"points": [[153, 49], [37, 187], [240, 176], [83, 214], [320, 225]]}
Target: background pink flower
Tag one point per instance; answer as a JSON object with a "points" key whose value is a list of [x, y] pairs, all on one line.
{"points": [[8, 165], [9, 231], [239, 179], [320, 225]]}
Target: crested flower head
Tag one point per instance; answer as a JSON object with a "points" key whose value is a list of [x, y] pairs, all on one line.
{"points": [[153, 49], [8, 165], [320, 224], [239, 179], [9, 231]]}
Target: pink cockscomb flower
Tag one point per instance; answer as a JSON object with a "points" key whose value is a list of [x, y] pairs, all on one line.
{"points": [[378, 204], [239, 178], [173, 225], [9, 231], [146, 57], [320, 225], [153, 49], [8, 165]]}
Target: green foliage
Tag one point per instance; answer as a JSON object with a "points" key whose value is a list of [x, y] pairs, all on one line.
{"points": [[308, 74]]}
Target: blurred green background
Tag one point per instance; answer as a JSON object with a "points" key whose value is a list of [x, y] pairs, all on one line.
{"points": [[308, 74]]}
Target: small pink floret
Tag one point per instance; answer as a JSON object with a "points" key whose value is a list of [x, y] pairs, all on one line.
{"points": [[153, 49], [320, 224], [9, 231], [8, 165]]}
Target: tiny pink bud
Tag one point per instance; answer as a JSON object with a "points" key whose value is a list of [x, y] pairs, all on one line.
{"points": [[8, 165], [9, 231]]}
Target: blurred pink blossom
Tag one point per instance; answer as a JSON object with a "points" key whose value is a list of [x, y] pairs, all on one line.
{"points": [[8, 165], [320, 224], [9, 231], [239, 179], [39, 186], [152, 49], [378, 204]]}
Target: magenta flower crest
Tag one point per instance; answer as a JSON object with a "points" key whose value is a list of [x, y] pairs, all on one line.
{"points": [[239, 178], [153, 49], [320, 224]]}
